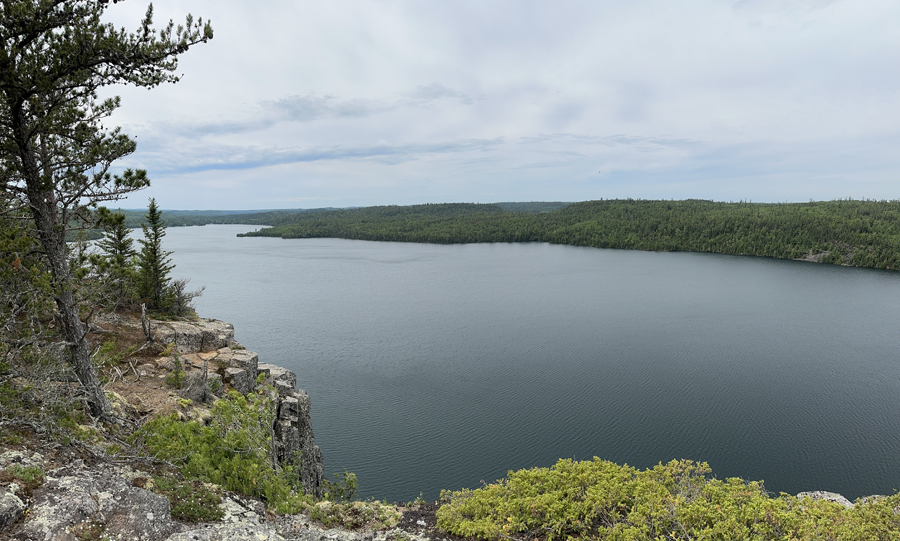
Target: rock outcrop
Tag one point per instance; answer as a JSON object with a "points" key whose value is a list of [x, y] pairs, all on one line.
{"points": [[11, 508], [194, 336], [829, 496], [75, 499], [210, 343]]}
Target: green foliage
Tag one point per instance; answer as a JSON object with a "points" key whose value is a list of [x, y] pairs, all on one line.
{"points": [[28, 478], [373, 515], [847, 232], [181, 301], [56, 152], [154, 263], [176, 377], [10, 438], [417, 502], [192, 501], [178, 218], [532, 207], [109, 354], [602, 500], [36, 397], [117, 262], [234, 451], [114, 449], [33, 476], [26, 291], [343, 488]]}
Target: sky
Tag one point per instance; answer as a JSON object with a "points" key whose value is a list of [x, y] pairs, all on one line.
{"points": [[302, 104]]}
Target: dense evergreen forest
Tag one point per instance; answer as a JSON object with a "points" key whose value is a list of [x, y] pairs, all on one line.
{"points": [[178, 218], [845, 232]]}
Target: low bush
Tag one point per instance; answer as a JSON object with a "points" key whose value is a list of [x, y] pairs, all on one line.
{"points": [[343, 488], [192, 501], [373, 515], [27, 477], [601, 500], [234, 451]]}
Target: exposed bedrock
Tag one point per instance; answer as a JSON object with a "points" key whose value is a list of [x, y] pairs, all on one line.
{"points": [[212, 359], [74, 497]]}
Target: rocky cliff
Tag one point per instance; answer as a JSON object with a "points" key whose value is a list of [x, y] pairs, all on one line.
{"points": [[213, 361], [84, 493]]}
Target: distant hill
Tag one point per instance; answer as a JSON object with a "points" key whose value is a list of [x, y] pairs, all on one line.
{"points": [[177, 218], [845, 232]]}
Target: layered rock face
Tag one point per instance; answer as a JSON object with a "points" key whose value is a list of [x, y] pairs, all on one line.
{"points": [[210, 344]]}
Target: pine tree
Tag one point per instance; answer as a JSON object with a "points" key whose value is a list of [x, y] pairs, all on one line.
{"points": [[154, 264], [118, 250], [55, 152]]}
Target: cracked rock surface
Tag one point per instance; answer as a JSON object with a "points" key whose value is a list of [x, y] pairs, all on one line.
{"points": [[73, 497]]}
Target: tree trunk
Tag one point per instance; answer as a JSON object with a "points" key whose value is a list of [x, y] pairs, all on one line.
{"points": [[52, 234], [53, 239]]}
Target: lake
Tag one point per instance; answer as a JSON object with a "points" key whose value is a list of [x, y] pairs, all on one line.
{"points": [[444, 366]]}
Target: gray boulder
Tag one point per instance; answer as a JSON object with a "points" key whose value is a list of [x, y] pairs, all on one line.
{"points": [[242, 380], [216, 334], [26, 459], [312, 472], [236, 508], [72, 496], [282, 379], [194, 336], [215, 383], [243, 359], [187, 338], [11, 509], [198, 386], [300, 528], [289, 410]]}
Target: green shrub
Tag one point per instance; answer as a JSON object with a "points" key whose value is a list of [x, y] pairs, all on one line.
{"points": [[602, 500], [343, 488], [33, 476], [108, 354], [175, 378], [192, 501], [373, 515], [233, 451], [28, 477], [11, 439]]}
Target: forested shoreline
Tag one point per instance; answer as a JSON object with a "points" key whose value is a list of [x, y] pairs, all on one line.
{"points": [[845, 232]]}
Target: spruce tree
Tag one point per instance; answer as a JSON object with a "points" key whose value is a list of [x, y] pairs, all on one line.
{"points": [[154, 264], [118, 249]]}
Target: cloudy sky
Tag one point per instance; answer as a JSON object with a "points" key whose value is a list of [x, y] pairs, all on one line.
{"points": [[302, 104]]}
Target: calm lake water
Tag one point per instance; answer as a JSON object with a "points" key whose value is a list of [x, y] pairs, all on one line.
{"points": [[436, 367]]}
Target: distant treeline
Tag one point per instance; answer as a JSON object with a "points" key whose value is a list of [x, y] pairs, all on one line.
{"points": [[178, 218], [846, 232]]}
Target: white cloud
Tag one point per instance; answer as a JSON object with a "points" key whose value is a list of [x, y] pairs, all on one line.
{"points": [[362, 102]]}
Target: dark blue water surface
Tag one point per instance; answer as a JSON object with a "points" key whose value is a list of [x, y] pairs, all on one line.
{"points": [[436, 367]]}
